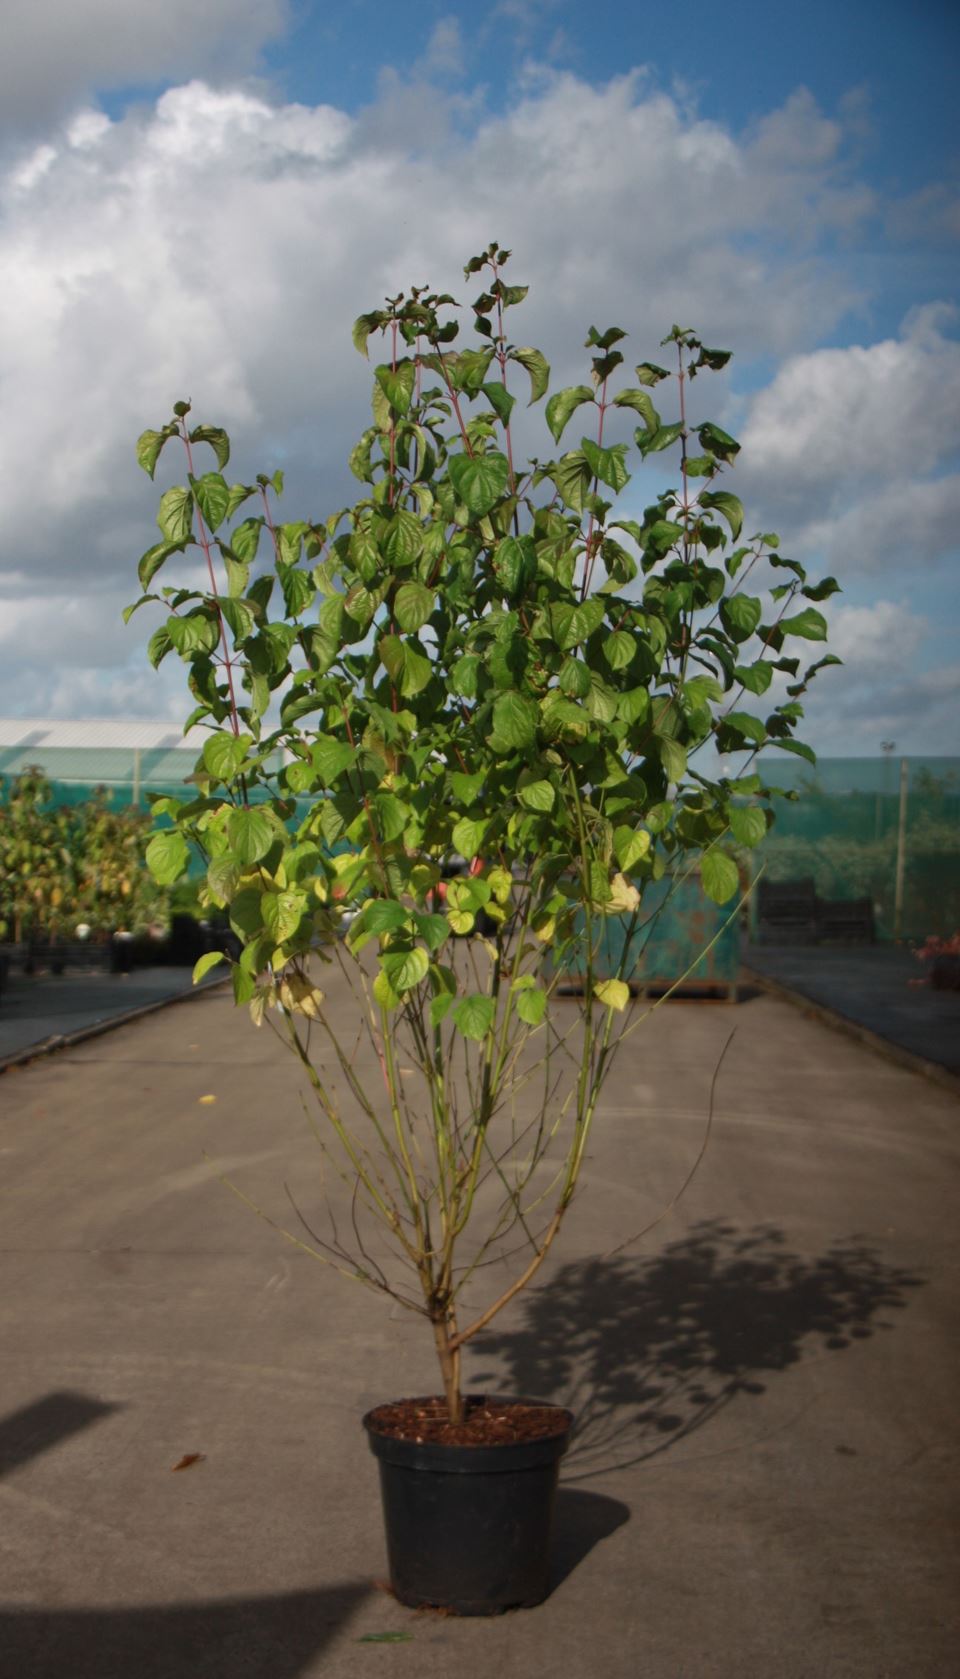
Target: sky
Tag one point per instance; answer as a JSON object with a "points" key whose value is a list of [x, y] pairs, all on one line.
{"points": [[196, 201]]}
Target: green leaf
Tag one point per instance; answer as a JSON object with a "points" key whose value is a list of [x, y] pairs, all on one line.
{"points": [[718, 442], [574, 678], [479, 480], [618, 649], [649, 373], [748, 824], [195, 633], [573, 477], [515, 563], [538, 368], [417, 671], [564, 403], [651, 443], [154, 558], [167, 857], [641, 404], [282, 913], [474, 1016], [224, 753], [797, 747], [468, 835], [500, 400], [531, 1004], [515, 719], [331, 758], [217, 439], [537, 795], [397, 386], [750, 727], [245, 540], [405, 968], [673, 757], [631, 845], [613, 993], [362, 328], [159, 645], [175, 514], [212, 496], [609, 465], [380, 915], [149, 445], [729, 505], [209, 960], [719, 875], [413, 605], [810, 624], [756, 678], [740, 615], [239, 614], [251, 833]]}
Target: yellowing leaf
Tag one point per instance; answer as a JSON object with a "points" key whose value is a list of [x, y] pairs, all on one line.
{"points": [[624, 898], [615, 993]]}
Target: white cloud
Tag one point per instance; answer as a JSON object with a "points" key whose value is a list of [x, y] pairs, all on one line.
{"points": [[58, 52], [216, 246], [848, 451]]}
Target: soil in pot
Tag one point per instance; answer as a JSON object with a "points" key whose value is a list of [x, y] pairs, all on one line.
{"points": [[468, 1507]]}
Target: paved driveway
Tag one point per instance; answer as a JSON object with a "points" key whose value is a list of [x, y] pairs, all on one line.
{"points": [[764, 1486]]}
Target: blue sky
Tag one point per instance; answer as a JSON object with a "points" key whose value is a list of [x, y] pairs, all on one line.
{"points": [[198, 200]]}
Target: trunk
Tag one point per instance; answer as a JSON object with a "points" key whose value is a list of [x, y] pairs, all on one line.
{"points": [[443, 1329]]}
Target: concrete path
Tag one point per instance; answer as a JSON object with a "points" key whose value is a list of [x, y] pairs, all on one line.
{"points": [[870, 986], [764, 1485], [41, 1009]]}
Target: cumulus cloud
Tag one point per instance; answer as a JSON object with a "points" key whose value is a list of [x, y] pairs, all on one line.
{"points": [[56, 52], [850, 452], [215, 245]]}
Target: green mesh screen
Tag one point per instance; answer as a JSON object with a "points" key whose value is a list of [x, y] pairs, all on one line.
{"points": [[844, 832]]}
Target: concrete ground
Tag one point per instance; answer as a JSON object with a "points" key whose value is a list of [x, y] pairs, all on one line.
{"points": [[870, 986], [39, 1009], [764, 1484]]}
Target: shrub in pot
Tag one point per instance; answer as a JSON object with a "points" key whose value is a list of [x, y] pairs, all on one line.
{"points": [[477, 660]]}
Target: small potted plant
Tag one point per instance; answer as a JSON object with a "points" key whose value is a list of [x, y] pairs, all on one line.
{"points": [[479, 660]]}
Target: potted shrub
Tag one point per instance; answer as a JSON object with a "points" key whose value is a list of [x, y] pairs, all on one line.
{"points": [[478, 660]]}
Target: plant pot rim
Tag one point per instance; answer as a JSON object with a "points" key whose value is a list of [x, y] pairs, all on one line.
{"points": [[494, 1456]]}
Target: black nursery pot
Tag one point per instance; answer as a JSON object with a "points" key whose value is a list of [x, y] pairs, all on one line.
{"points": [[468, 1527]]}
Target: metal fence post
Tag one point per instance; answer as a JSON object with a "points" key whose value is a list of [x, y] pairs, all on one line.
{"points": [[901, 853]]}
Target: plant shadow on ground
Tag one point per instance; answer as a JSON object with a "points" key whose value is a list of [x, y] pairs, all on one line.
{"points": [[647, 1351]]}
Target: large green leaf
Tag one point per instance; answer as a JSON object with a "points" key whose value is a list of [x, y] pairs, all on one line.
{"points": [[153, 559], [212, 495], [564, 403], [515, 719], [474, 1016], [538, 368], [573, 476], [167, 856], [740, 615], [224, 753], [468, 835], [609, 465], [251, 833], [413, 605], [195, 633], [217, 439], [282, 913], [809, 623], [748, 824], [641, 404], [397, 385], [537, 795], [719, 875], [149, 445], [405, 968], [479, 480], [729, 505], [175, 514]]}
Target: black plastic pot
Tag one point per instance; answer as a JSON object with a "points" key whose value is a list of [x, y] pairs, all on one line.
{"points": [[468, 1527]]}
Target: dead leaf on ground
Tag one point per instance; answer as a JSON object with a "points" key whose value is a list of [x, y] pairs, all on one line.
{"points": [[206, 1100], [188, 1460]]}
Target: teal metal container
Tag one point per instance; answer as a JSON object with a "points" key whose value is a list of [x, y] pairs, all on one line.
{"points": [[668, 945]]}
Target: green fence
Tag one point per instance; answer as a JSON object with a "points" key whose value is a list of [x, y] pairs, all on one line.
{"points": [[884, 828]]}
